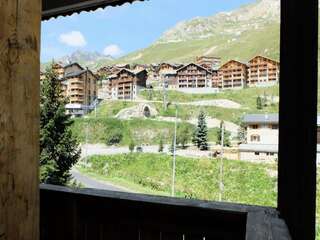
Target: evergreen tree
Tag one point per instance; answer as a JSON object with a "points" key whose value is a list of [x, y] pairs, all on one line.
{"points": [[259, 103], [200, 136], [59, 149]]}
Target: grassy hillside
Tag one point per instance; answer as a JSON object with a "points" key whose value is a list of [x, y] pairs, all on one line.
{"points": [[141, 131], [148, 131], [263, 41], [151, 173]]}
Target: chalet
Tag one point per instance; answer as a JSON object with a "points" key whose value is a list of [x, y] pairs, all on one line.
{"points": [[194, 76], [261, 137], [81, 91], [263, 71], [232, 74], [167, 74], [208, 62], [126, 84]]}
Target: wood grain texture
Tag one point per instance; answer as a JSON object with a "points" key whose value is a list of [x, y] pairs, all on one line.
{"points": [[19, 118]]}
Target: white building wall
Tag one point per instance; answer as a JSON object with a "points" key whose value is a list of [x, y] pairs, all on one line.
{"points": [[266, 133]]}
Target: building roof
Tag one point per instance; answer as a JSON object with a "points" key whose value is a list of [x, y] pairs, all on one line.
{"points": [[232, 60], [55, 8], [265, 58], [183, 67], [135, 72], [261, 118], [72, 64], [271, 148], [78, 73]]}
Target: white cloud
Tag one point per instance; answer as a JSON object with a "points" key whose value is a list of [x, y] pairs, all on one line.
{"points": [[113, 50], [73, 39]]}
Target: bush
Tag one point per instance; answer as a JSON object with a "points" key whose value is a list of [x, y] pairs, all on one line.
{"points": [[131, 146], [114, 136]]}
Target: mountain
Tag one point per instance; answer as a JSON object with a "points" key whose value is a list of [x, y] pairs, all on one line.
{"points": [[240, 34], [93, 60]]}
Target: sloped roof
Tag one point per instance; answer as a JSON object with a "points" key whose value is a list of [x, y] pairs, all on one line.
{"points": [[232, 60], [134, 72], [194, 65], [56, 8], [271, 148], [72, 64], [261, 118], [260, 56], [78, 73]]}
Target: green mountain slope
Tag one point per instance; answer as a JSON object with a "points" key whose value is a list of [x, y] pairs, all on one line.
{"points": [[240, 34]]}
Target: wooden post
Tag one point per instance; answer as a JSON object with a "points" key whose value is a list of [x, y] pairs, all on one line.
{"points": [[298, 117], [19, 118]]}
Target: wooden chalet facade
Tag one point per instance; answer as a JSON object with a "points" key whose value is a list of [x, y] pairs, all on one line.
{"points": [[81, 87], [263, 71], [167, 74], [232, 74], [126, 84], [194, 76]]}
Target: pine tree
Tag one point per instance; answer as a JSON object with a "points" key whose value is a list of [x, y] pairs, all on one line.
{"points": [[200, 137], [259, 103], [59, 149]]}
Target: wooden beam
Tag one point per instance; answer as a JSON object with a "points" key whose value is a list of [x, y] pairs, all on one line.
{"points": [[55, 8], [298, 116], [19, 118]]}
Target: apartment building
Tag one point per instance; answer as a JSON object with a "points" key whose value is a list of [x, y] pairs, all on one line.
{"points": [[81, 91], [232, 74], [167, 75], [194, 76], [261, 137], [263, 71], [209, 62], [126, 84]]}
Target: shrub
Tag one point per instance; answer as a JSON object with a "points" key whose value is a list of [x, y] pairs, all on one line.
{"points": [[131, 146], [114, 136]]}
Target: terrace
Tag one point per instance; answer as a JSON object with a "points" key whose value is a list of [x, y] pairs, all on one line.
{"points": [[96, 214]]}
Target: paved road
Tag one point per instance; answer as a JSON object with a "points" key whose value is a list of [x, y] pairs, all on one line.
{"points": [[92, 183]]}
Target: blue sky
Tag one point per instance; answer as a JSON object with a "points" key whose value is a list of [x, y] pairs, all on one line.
{"points": [[121, 30]]}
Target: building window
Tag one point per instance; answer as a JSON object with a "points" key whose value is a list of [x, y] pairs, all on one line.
{"points": [[255, 126], [255, 138], [257, 153]]}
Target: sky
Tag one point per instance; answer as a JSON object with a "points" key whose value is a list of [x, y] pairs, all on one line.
{"points": [[117, 31]]}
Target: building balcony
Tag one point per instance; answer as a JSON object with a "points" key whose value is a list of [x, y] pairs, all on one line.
{"points": [[99, 214]]}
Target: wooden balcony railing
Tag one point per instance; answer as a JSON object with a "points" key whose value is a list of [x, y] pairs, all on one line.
{"points": [[88, 214]]}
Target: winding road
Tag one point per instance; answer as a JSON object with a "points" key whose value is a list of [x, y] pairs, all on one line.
{"points": [[92, 183]]}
